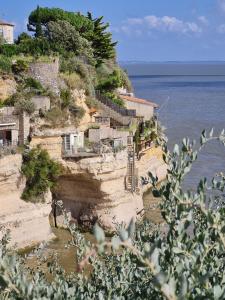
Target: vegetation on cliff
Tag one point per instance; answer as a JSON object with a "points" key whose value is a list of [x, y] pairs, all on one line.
{"points": [[41, 174], [87, 58], [183, 259]]}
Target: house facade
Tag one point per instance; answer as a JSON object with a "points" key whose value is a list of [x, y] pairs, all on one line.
{"points": [[14, 128], [7, 32], [144, 108]]}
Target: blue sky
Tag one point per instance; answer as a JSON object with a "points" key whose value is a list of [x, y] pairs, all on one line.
{"points": [[147, 30]]}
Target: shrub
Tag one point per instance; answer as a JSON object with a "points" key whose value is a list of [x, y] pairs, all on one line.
{"points": [[91, 103], [41, 174], [111, 83], [9, 50], [66, 98], [56, 117], [183, 259], [25, 105], [33, 84], [114, 98], [20, 66], [73, 81], [5, 64]]}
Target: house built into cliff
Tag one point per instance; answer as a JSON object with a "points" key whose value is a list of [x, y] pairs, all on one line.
{"points": [[14, 127], [143, 108], [7, 32]]}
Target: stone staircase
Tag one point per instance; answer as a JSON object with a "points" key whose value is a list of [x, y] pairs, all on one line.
{"points": [[119, 114]]}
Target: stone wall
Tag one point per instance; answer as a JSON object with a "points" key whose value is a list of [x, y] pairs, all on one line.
{"points": [[95, 135], [53, 144], [46, 74], [41, 102]]}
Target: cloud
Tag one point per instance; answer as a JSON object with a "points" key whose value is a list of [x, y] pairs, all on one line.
{"points": [[221, 4], [203, 20], [164, 24], [221, 28]]}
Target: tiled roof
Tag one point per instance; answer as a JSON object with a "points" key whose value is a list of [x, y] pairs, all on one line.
{"points": [[6, 23], [138, 100]]}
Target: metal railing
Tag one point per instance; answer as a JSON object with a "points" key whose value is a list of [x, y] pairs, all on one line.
{"points": [[122, 111]]}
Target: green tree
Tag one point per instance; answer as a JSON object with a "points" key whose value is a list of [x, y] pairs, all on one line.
{"points": [[101, 39], [44, 15], [38, 32], [65, 37]]}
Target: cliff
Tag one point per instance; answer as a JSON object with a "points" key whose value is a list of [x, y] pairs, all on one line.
{"points": [[28, 222], [92, 189]]}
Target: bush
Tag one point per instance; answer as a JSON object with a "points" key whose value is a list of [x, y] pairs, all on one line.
{"points": [[91, 103], [20, 66], [5, 64], [66, 98], [114, 98], [41, 174], [183, 259], [33, 84], [113, 82], [73, 81], [25, 105], [56, 117]]}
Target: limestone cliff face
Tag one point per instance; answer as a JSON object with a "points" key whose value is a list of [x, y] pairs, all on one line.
{"points": [[28, 222], [93, 189], [7, 87], [152, 161]]}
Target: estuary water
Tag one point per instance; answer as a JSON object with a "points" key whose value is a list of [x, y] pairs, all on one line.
{"points": [[191, 97]]}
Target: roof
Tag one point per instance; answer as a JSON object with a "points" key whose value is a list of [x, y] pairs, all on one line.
{"points": [[138, 100], [6, 23]]}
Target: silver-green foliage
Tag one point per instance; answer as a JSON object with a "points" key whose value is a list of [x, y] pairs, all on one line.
{"points": [[184, 258]]}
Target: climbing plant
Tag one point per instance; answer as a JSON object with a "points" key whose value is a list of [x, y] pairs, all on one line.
{"points": [[181, 259]]}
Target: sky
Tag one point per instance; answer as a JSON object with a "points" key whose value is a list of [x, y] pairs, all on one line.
{"points": [[146, 30]]}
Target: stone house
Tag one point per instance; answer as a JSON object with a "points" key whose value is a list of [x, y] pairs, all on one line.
{"points": [[144, 108], [14, 127], [7, 32], [72, 142]]}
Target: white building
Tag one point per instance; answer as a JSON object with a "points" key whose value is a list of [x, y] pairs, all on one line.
{"points": [[7, 32], [144, 108], [72, 142]]}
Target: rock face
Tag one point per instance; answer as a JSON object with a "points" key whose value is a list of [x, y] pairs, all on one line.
{"points": [[93, 189], [7, 87], [28, 222], [152, 161]]}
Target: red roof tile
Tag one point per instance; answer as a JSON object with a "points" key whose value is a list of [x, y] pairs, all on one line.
{"points": [[138, 100]]}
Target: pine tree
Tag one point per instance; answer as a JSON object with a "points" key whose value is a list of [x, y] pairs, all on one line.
{"points": [[101, 40]]}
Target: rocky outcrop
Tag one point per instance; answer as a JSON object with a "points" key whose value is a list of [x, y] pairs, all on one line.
{"points": [[7, 87], [28, 222], [93, 189], [152, 161]]}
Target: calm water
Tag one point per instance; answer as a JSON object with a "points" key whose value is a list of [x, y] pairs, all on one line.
{"points": [[188, 104]]}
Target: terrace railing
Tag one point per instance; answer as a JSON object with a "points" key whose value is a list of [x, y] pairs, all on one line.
{"points": [[108, 102]]}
